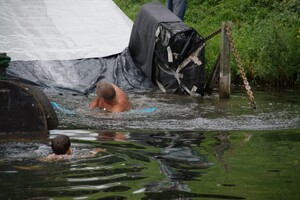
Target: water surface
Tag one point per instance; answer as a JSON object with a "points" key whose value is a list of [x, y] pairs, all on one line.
{"points": [[156, 165], [173, 112], [185, 148]]}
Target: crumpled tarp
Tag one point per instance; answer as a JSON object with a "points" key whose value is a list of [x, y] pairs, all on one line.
{"points": [[81, 75]]}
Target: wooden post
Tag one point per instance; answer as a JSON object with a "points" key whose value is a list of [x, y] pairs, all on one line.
{"points": [[225, 71], [213, 80]]}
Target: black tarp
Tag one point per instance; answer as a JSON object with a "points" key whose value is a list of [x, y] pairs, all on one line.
{"points": [[142, 38], [179, 59], [170, 53]]}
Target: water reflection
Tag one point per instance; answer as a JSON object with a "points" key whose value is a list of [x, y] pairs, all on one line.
{"points": [[221, 146], [156, 165]]}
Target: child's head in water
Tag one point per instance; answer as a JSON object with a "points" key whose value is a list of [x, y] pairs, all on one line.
{"points": [[61, 145]]}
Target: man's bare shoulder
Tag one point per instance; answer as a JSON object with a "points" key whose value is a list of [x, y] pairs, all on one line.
{"points": [[53, 157], [75, 155]]}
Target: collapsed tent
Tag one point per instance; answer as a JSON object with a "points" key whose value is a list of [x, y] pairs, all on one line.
{"points": [[67, 46]]}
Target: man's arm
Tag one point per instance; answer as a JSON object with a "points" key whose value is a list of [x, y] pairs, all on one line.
{"points": [[94, 103]]}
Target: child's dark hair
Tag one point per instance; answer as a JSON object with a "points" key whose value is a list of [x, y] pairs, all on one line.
{"points": [[60, 144]]}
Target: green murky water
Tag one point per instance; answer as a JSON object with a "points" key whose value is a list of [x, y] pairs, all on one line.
{"points": [[188, 148], [157, 165]]}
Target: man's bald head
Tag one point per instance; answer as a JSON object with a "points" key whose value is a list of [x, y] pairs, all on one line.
{"points": [[105, 90]]}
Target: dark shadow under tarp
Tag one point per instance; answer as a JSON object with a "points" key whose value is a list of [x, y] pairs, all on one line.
{"points": [[79, 76]]}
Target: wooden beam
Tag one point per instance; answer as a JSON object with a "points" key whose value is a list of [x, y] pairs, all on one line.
{"points": [[225, 71]]}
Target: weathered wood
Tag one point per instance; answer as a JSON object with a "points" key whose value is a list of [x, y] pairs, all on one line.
{"points": [[21, 115], [2, 69], [213, 80], [225, 71]]}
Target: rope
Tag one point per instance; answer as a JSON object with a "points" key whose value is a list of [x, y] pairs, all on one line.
{"points": [[212, 34], [240, 67]]}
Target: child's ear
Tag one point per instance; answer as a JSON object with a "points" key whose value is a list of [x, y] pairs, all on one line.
{"points": [[70, 151]]}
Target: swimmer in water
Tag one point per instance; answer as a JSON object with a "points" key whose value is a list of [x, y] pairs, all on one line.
{"points": [[110, 98], [61, 147]]}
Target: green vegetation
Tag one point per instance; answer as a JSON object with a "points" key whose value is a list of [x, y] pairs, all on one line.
{"points": [[266, 35]]}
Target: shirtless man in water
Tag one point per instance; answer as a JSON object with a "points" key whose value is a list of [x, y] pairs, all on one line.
{"points": [[110, 98]]}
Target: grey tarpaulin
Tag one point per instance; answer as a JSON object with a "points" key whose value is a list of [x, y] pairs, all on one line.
{"points": [[67, 46], [80, 76]]}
